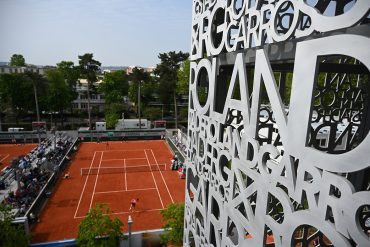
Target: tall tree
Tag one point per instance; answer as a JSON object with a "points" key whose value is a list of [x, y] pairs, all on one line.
{"points": [[167, 72], [114, 87], [147, 87], [17, 60], [98, 229], [59, 94], [39, 85], [138, 78], [182, 85], [71, 73], [89, 69], [15, 89]]}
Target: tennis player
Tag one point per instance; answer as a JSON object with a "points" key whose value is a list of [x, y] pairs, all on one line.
{"points": [[133, 204]]}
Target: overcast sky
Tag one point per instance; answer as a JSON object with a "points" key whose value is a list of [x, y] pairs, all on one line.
{"points": [[117, 32]]}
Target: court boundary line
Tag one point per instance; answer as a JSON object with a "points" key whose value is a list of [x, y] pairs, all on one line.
{"points": [[111, 159], [124, 212], [124, 167], [118, 191], [116, 167], [121, 150], [124, 159], [164, 180], [96, 181], [155, 182], [6, 156], [83, 190], [126, 189]]}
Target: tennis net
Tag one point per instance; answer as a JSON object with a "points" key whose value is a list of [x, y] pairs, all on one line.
{"points": [[122, 169]]}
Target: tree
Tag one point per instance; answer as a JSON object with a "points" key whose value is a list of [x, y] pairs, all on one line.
{"points": [[114, 87], [152, 113], [11, 235], [147, 88], [98, 229], [15, 90], [39, 85], [70, 72], [17, 60], [111, 119], [173, 217], [59, 94], [182, 85], [89, 69], [138, 77], [167, 72]]}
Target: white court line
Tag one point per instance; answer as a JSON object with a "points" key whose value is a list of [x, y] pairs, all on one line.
{"points": [[153, 178], [117, 191], [111, 159], [135, 158], [78, 205], [124, 167], [6, 156], [124, 158], [123, 150], [162, 175], [96, 180], [142, 211]]}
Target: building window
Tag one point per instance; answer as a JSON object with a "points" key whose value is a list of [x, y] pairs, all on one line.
{"points": [[83, 105]]}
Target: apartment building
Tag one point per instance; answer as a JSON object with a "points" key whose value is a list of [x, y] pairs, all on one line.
{"points": [[97, 100]]}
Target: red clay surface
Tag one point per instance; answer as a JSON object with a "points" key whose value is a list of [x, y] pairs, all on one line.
{"points": [[10, 151], [73, 197]]}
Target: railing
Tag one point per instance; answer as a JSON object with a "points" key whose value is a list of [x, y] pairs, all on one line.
{"points": [[174, 145]]}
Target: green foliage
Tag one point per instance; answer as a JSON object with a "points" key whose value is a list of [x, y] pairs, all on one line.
{"points": [[182, 85], [59, 94], [203, 95], [16, 91], [114, 87], [89, 67], [183, 115], [142, 78], [11, 235], [167, 72], [173, 217], [111, 119], [17, 60], [70, 72], [98, 229], [152, 113]]}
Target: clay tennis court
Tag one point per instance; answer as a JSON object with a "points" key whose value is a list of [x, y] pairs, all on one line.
{"points": [[112, 174], [8, 152]]}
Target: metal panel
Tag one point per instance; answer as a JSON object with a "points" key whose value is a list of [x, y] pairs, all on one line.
{"points": [[278, 153]]}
